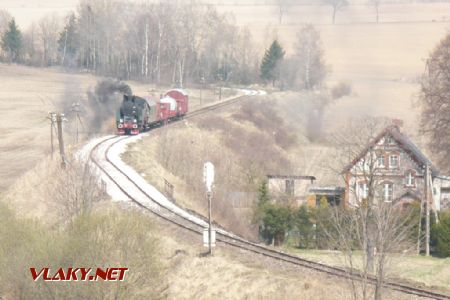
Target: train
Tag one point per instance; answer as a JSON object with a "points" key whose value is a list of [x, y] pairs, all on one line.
{"points": [[137, 114]]}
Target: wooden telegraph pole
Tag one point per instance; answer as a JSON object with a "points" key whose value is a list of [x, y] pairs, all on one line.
{"points": [[202, 83], [59, 120], [76, 109], [427, 210], [52, 118]]}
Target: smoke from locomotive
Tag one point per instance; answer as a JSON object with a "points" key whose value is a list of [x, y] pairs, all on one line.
{"points": [[103, 101]]}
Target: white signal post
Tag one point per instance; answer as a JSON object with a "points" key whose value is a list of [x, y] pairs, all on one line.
{"points": [[208, 179]]}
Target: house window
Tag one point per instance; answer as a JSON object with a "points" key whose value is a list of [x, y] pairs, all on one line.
{"points": [[393, 161], [363, 191], [290, 187], [388, 191], [380, 161], [390, 140], [410, 179]]}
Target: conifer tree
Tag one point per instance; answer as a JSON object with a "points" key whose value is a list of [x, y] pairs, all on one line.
{"points": [[270, 66], [263, 194], [12, 41]]}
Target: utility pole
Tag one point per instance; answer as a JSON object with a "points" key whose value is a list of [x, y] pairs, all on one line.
{"points": [[76, 109], [209, 194], [52, 118], [59, 120], [427, 210], [208, 178], [420, 227], [202, 82]]}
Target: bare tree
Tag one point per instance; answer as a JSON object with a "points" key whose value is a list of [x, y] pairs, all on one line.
{"points": [[376, 4], [48, 38], [435, 103], [310, 58], [282, 9], [76, 189], [369, 222], [337, 5]]}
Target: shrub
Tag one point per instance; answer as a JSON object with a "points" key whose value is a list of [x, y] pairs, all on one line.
{"points": [[112, 239], [277, 221], [440, 235], [304, 226]]}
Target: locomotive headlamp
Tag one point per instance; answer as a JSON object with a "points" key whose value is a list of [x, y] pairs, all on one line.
{"points": [[121, 120], [135, 121]]}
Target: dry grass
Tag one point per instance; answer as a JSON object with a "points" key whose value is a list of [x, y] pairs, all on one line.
{"points": [[232, 274], [429, 271]]}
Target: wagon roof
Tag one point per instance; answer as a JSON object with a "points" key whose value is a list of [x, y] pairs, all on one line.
{"points": [[167, 99], [183, 92]]}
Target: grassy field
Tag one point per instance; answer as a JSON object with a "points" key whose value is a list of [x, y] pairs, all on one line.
{"points": [[26, 97], [429, 271]]}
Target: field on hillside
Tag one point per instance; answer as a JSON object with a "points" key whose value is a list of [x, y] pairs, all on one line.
{"points": [[29, 94], [26, 98], [382, 62]]}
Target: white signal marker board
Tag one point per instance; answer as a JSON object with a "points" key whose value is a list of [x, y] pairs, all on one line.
{"points": [[206, 239]]}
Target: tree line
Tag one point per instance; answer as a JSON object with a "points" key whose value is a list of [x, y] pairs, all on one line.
{"points": [[164, 42], [168, 42]]}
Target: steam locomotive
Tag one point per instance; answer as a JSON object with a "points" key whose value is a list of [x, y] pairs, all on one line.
{"points": [[138, 114]]}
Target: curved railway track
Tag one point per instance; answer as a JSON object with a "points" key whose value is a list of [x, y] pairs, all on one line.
{"points": [[174, 217]]}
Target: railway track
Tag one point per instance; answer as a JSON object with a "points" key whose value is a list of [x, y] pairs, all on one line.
{"points": [[172, 214]]}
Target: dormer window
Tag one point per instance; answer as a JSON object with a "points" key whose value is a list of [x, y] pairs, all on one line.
{"points": [[410, 179], [393, 161], [390, 140]]}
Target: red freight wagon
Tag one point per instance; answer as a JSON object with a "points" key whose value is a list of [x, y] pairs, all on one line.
{"points": [[182, 99]]}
